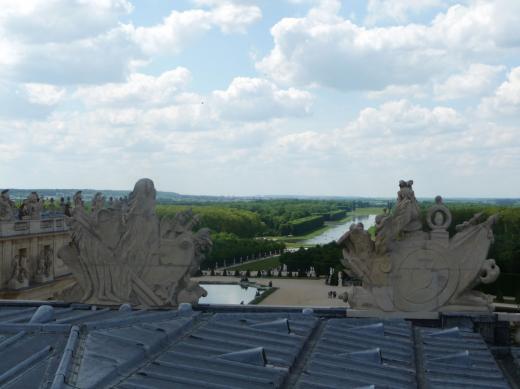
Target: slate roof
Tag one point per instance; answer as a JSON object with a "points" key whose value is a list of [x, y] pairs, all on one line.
{"points": [[79, 346]]}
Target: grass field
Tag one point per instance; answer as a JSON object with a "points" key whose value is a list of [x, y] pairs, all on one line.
{"points": [[263, 264], [367, 211]]}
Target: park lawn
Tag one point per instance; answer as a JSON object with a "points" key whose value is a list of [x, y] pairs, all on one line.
{"points": [[264, 264], [297, 245], [367, 211]]}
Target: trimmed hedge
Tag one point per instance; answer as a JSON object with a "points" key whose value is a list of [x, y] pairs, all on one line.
{"points": [[305, 225], [337, 215]]}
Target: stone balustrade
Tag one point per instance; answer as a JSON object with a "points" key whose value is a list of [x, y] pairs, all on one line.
{"points": [[16, 228]]}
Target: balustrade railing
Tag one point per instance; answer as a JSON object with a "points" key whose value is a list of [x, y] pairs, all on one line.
{"points": [[32, 227]]}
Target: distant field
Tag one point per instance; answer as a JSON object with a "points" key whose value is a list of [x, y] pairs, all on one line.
{"points": [[366, 211], [264, 264]]}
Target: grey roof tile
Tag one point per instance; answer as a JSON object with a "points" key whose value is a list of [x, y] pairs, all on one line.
{"points": [[458, 359], [88, 347], [334, 362]]}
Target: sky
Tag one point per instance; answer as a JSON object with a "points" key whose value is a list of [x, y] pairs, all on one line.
{"points": [[262, 97]]}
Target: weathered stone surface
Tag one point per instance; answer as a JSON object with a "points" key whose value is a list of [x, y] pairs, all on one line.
{"points": [[7, 207], [44, 265], [32, 207], [19, 273], [410, 270], [126, 254]]}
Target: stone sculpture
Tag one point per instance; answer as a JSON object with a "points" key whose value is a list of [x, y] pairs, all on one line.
{"points": [[98, 202], [44, 266], [408, 269], [19, 275], [7, 207], [32, 206], [78, 199], [128, 254]]}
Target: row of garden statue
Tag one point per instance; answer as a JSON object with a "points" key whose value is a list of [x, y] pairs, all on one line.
{"points": [[30, 208], [21, 271], [33, 206], [416, 269]]}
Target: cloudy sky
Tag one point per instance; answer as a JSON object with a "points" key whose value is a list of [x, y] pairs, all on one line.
{"points": [[244, 97]]}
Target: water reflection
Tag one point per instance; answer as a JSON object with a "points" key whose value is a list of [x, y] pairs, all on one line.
{"points": [[336, 232], [227, 294]]}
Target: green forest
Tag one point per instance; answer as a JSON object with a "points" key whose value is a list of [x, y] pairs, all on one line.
{"points": [[266, 217], [239, 228]]}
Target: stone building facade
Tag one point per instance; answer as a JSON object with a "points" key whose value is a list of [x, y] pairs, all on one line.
{"points": [[28, 251]]}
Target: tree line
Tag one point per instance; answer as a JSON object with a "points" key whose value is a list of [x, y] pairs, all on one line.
{"points": [[231, 248], [248, 219]]}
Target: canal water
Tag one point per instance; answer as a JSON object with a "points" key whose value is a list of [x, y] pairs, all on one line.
{"points": [[227, 294], [335, 232]]}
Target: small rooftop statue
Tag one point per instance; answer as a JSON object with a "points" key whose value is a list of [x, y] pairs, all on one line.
{"points": [[408, 269], [126, 254], [7, 206], [32, 206]]}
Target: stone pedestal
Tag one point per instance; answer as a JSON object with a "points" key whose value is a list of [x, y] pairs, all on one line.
{"points": [[14, 284], [42, 278]]}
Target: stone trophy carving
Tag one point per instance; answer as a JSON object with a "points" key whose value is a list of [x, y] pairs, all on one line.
{"points": [[408, 269], [19, 275], [44, 266], [126, 254], [7, 207]]}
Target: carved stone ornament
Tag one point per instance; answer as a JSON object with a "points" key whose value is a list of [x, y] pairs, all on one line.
{"points": [[43, 271], [411, 270], [19, 273], [7, 207], [32, 206], [126, 254]]}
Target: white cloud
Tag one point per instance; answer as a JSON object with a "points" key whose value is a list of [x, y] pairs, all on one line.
{"points": [[44, 94], [506, 99], [43, 21], [180, 28], [9, 53], [414, 91], [402, 118], [397, 10], [163, 102], [97, 59], [138, 88], [79, 41], [257, 99], [75, 93], [476, 80], [438, 146], [325, 49]]}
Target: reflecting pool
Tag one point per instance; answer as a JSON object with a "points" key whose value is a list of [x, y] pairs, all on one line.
{"points": [[228, 294], [337, 231]]}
